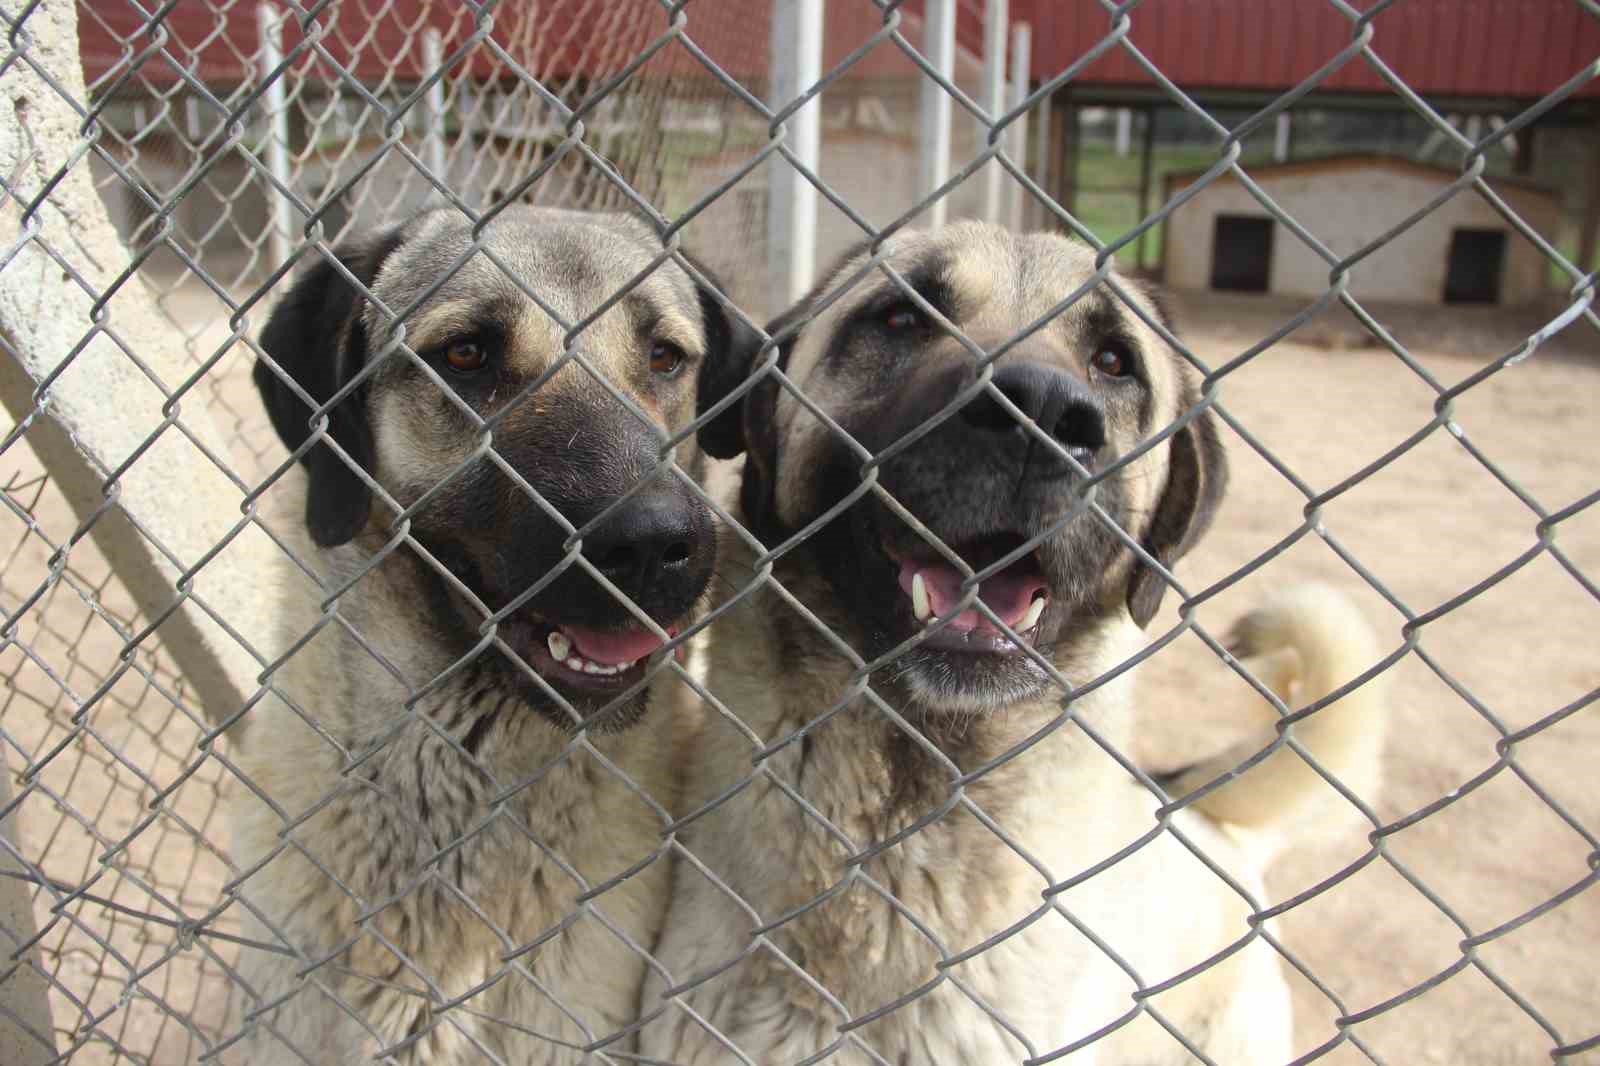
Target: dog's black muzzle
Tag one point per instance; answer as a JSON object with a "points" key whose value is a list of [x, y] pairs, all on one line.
{"points": [[981, 470]]}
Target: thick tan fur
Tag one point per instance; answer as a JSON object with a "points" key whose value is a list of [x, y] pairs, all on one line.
{"points": [[386, 919], [867, 891], [438, 866], [1305, 643]]}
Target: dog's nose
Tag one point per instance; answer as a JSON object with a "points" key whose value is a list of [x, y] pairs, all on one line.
{"points": [[1058, 403], [654, 535]]}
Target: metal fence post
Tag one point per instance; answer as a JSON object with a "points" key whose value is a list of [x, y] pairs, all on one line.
{"points": [[791, 198], [433, 103], [995, 16], [939, 49], [276, 99], [1021, 54]]}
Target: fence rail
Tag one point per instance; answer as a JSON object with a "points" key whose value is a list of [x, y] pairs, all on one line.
{"points": [[164, 181]]}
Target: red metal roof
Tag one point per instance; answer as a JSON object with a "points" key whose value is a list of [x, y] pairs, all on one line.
{"points": [[1515, 48], [217, 40]]}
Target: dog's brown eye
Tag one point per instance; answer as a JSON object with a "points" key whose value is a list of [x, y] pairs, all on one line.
{"points": [[666, 359], [1112, 363], [465, 357], [903, 316]]}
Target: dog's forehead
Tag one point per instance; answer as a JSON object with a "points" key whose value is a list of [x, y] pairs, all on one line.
{"points": [[571, 262], [995, 277], [997, 283]]}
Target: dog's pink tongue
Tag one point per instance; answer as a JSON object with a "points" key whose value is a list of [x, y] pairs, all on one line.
{"points": [[609, 647], [1008, 594]]}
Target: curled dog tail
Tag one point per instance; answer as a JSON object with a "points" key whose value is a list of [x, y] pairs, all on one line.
{"points": [[1305, 643]]}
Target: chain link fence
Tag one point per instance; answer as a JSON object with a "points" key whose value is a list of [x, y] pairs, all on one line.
{"points": [[230, 144]]}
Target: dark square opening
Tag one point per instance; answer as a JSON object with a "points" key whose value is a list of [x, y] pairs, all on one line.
{"points": [[1241, 253], [1477, 260]]}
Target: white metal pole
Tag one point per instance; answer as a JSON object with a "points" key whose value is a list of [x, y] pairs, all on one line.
{"points": [[276, 98], [1280, 138], [939, 49], [995, 17], [791, 198], [191, 118], [1124, 130], [433, 103], [1021, 53]]}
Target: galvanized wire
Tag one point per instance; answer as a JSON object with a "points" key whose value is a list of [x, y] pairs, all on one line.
{"points": [[121, 775]]}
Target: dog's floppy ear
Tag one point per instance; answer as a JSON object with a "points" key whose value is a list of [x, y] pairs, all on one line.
{"points": [[731, 348], [1197, 474], [316, 336]]}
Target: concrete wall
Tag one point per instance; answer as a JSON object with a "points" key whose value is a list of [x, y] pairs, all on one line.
{"points": [[1348, 206]]}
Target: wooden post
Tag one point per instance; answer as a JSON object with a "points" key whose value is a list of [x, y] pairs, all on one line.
{"points": [[1147, 163], [1589, 231], [1064, 141]]}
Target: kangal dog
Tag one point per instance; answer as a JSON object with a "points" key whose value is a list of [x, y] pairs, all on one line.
{"points": [[438, 858], [928, 886]]}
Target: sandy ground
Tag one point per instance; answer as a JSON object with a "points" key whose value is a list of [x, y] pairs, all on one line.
{"points": [[1430, 525]]}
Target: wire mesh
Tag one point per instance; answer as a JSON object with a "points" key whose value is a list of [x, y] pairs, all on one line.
{"points": [[231, 143]]}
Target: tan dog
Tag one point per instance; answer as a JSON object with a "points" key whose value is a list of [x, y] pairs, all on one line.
{"points": [[436, 853], [949, 870]]}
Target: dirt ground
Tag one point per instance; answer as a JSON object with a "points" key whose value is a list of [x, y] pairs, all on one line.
{"points": [[1431, 525]]}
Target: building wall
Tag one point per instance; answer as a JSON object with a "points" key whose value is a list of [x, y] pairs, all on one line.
{"points": [[1347, 207]]}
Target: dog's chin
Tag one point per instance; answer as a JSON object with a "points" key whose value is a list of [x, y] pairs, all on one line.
{"points": [[964, 683]]}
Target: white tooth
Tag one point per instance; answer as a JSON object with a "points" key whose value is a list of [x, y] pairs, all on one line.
{"points": [[591, 668], [1031, 619], [575, 663], [920, 608], [560, 645]]}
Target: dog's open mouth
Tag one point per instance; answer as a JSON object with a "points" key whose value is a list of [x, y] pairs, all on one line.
{"points": [[588, 658], [1016, 595]]}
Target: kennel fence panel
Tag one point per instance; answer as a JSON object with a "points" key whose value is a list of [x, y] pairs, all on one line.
{"points": [[224, 157]]}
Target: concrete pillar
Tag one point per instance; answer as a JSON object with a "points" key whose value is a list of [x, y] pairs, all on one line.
{"points": [[26, 1035]]}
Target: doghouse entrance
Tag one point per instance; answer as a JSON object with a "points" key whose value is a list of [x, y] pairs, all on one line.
{"points": [[1241, 253], [1477, 259]]}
